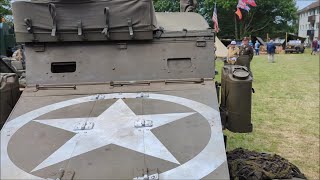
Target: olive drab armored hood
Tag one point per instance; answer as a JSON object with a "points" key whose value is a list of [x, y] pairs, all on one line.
{"points": [[113, 95]]}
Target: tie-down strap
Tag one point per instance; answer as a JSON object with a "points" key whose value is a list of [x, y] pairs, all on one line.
{"points": [[53, 13], [106, 27], [130, 27], [28, 23]]}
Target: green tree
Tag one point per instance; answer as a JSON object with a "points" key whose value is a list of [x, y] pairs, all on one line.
{"points": [[5, 7], [166, 5], [273, 17]]}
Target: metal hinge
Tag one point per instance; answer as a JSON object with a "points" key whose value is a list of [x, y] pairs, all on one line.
{"points": [[143, 123], [84, 126], [201, 42], [129, 83], [148, 177], [143, 95], [185, 81], [43, 87]]}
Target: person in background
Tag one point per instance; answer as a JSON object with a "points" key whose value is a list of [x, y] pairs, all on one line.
{"points": [[271, 50], [250, 43], [245, 54], [257, 47], [233, 53], [314, 47]]}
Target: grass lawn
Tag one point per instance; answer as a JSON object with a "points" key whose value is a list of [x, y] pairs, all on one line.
{"points": [[285, 110]]}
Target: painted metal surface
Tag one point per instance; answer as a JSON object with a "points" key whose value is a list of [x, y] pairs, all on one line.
{"points": [[114, 124], [161, 59], [119, 109]]}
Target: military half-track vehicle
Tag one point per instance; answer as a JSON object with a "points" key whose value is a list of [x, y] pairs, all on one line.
{"points": [[117, 91]]}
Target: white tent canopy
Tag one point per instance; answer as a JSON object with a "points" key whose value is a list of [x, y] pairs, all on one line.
{"points": [[221, 50]]}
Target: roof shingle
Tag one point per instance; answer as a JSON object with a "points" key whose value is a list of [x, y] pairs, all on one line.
{"points": [[311, 6]]}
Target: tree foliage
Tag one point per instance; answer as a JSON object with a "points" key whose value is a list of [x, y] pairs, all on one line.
{"points": [[166, 5], [270, 16], [5, 8]]}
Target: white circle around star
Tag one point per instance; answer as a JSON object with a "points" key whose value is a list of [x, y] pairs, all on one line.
{"points": [[105, 127]]}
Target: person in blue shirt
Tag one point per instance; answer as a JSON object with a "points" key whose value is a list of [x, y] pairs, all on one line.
{"points": [[257, 47], [271, 50], [250, 43]]}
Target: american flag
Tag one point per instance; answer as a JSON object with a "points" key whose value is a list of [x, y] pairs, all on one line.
{"points": [[215, 19]]}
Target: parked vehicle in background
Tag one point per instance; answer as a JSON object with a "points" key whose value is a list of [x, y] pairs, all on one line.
{"points": [[294, 46]]}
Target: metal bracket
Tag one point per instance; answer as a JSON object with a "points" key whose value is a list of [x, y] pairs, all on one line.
{"points": [[84, 126], [38, 87], [122, 46], [39, 47], [185, 81], [98, 97], [143, 95], [129, 83], [143, 123], [201, 42], [148, 177]]}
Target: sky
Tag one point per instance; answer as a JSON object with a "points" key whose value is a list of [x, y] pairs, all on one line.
{"points": [[303, 3]]}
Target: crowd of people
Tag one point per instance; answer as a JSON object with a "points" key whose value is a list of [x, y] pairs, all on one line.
{"points": [[243, 54]]}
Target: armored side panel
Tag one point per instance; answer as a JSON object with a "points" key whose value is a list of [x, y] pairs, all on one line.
{"points": [[236, 95], [174, 55], [9, 94], [99, 20]]}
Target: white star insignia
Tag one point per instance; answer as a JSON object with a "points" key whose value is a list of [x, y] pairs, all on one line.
{"points": [[116, 125]]}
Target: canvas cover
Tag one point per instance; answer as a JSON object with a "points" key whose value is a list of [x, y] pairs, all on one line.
{"points": [[9, 94], [90, 20]]}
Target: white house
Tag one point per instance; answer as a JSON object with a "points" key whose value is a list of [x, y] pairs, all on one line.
{"points": [[309, 21]]}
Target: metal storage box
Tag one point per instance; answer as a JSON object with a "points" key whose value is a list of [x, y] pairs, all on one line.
{"points": [[236, 97]]}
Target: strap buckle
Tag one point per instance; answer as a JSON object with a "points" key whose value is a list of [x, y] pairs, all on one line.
{"points": [[130, 28], [79, 28], [105, 30], [28, 23]]}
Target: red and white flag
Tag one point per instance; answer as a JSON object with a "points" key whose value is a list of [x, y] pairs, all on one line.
{"points": [[215, 19], [242, 4], [250, 2], [238, 12]]}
